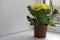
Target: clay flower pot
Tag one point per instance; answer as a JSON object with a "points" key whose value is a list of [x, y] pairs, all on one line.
{"points": [[40, 31]]}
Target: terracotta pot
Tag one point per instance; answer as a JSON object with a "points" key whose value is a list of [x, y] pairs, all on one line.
{"points": [[40, 31]]}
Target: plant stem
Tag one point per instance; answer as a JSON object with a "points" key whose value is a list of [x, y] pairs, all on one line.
{"points": [[44, 1]]}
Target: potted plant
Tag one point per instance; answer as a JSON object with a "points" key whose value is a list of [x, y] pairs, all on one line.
{"points": [[42, 18]]}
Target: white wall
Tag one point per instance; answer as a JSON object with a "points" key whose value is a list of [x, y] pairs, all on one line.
{"points": [[0, 16], [13, 16]]}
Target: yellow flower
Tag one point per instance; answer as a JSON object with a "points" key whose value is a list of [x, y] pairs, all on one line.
{"points": [[45, 6], [40, 6], [36, 6]]}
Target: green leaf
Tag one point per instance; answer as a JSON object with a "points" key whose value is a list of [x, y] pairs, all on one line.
{"points": [[55, 12], [30, 19], [51, 23], [31, 23], [31, 10]]}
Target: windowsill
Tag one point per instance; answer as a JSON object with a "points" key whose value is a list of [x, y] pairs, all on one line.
{"points": [[54, 29], [28, 35]]}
